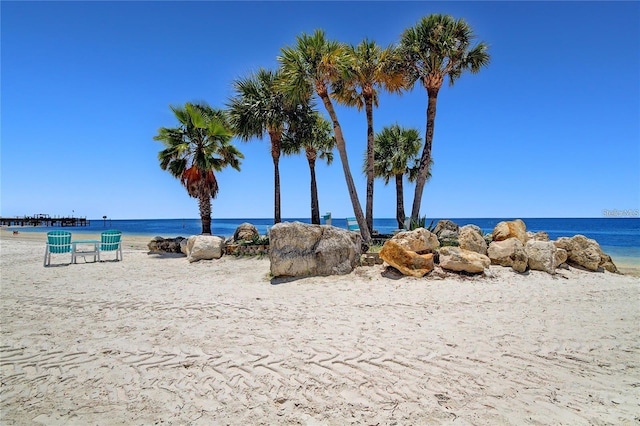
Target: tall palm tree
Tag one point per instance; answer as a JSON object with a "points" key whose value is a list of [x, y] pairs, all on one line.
{"points": [[259, 108], [312, 66], [372, 68], [313, 134], [438, 46], [198, 147], [396, 155]]}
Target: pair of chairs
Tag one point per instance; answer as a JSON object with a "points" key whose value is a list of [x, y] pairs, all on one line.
{"points": [[59, 242]]}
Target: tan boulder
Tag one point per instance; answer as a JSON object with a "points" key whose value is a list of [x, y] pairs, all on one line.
{"points": [[542, 256], [510, 229], [470, 238], [406, 261], [204, 247], [509, 252], [245, 232], [419, 240], [586, 253], [461, 260], [446, 225], [299, 249], [583, 252]]}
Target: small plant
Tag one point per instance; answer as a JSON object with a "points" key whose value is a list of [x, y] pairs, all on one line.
{"points": [[420, 223], [375, 248], [260, 240]]}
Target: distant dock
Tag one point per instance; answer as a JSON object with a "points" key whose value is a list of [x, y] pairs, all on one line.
{"points": [[44, 220]]}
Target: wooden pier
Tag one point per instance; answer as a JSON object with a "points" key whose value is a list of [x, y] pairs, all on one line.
{"points": [[44, 220]]}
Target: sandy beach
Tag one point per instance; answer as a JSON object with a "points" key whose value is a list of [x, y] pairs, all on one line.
{"points": [[156, 340]]}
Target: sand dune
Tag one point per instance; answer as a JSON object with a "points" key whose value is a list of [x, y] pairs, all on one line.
{"points": [[156, 339]]}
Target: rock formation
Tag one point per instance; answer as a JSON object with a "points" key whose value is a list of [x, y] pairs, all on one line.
{"points": [[460, 260], [470, 238], [298, 249], [245, 232], [204, 247], [165, 245], [406, 261], [419, 240], [510, 229], [542, 255], [510, 253]]}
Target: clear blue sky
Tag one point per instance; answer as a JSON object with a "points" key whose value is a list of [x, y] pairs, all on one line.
{"points": [[549, 129]]}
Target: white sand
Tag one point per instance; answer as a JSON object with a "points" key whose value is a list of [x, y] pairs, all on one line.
{"points": [[156, 339]]}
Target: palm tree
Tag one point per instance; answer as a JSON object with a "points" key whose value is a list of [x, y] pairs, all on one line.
{"points": [[198, 147], [313, 133], [312, 66], [371, 68], [258, 107], [437, 47], [396, 155]]}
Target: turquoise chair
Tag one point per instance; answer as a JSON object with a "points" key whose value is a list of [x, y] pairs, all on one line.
{"points": [[111, 240], [58, 242], [352, 224]]}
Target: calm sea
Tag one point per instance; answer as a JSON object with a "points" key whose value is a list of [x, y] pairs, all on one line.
{"points": [[617, 236]]}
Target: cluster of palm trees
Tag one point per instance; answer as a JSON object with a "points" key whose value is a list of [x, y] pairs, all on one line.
{"points": [[281, 104]]}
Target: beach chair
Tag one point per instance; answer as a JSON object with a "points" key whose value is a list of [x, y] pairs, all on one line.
{"points": [[111, 240], [58, 242], [352, 224]]}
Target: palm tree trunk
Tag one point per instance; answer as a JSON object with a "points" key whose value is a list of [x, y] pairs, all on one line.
{"points": [[275, 154], [204, 202], [399, 201], [342, 150], [315, 207], [370, 176], [425, 160]]}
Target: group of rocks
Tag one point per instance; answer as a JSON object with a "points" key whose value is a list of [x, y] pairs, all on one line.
{"points": [[467, 249], [298, 249], [203, 247]]}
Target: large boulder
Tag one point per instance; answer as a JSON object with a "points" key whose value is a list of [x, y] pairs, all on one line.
{"points": [[460, 260], [419, 240], [510, 229], [509, 252], [204, 247], [246, 232], [298, 249], [166, 245], [542, 255], [446, 225], [406, 261], [585, 253], [447, 232], [470, 238]]}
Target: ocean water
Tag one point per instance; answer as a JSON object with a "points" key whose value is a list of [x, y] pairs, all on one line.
{"points": [[617, 236]]}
